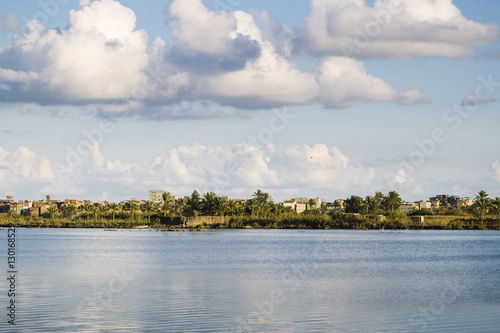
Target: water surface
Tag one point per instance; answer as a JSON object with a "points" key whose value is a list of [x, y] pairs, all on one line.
{"points": [[91, 280]]}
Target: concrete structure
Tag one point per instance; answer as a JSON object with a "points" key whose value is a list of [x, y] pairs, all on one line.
{"points": [[435, 204], [444, 200], [301, 204], [465, 202], [40, 207], [300, 207], [132, 200], [424, 204], [417, 219], [408, 207], [74, 202], [21, 207], [156, 196]]}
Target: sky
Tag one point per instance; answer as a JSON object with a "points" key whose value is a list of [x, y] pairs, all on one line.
{"points": [[105, 100]]}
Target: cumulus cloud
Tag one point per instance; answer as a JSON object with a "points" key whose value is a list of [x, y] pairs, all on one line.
{"points": [[99, 57], [10, 23], [394, 29], [412, 96], [344, 82], [238, 169], [495, 171], [21, 167], [228, 58], [473, 99], [244, 68]]}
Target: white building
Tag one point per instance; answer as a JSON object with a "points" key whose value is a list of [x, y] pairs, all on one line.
{"points": [[156, 196], [424, 204], [301, 204]]}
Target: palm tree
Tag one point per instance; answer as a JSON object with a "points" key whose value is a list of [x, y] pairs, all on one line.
{"points": [[103, 210], [114, 208], [52, 211], [148, 208], [337, 205], [372, 204], [96, 213], [220, 206], [482, 203], [208, 203], [266, 208], [133, 208], [71, 210], [88, 209], [232, 207], [496, 205], [253, 207], [482, 194], [261, 197], [180, 205], [393, 200], [168, 202]]}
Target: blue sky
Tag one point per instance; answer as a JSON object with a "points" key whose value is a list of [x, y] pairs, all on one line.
{"points": [[297, 99]]}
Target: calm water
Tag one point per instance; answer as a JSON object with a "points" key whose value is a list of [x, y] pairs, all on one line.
{"points": [[255, 281]]}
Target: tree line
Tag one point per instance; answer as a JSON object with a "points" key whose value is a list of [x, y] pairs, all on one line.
{"points": [[260, 207]]}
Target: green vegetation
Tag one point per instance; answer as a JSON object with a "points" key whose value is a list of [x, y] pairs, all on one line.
{"points": [[379, 211]]}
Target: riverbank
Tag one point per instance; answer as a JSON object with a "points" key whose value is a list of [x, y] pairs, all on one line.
{"points": [[337, 221]]}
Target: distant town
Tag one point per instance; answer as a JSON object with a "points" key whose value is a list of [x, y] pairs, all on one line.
{"points": [[298, 204]]}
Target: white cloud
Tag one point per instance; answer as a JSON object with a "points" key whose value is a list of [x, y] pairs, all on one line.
{"points": [[495, 171], [263, 78], [344, 82], [10, 23], [239, 169], [24, 165], [223, 58], [412, 96], [100, 57], [201, 29], [394, 29], [473, 99]]}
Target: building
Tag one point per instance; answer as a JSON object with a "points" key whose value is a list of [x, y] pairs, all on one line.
{"points": [[21, 207], [425, 204], [417, 219], [459, 202], [317, 203], [156, 196], [300, 207], [131, 201], [408, 207], [444, 200], [41, 207], [301, 204], [73, 202], [465, 202]]}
